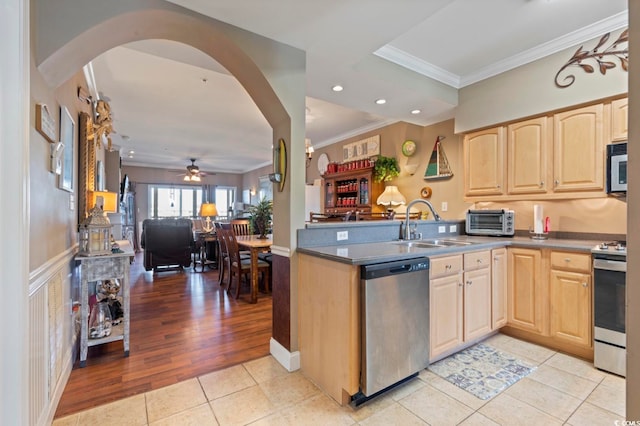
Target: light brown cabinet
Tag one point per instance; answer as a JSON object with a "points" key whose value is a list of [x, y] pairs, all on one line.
{"points": [[546, 157], [484, 156], [353, 190], [526, 290], [578, 140], [498, 288], [459, 301], [550, 299], [329, 325], [528, 152], [570, 298], [619, 119]]}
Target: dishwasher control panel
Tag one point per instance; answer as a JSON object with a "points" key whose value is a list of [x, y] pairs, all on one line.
{"points": [[380, 270]]}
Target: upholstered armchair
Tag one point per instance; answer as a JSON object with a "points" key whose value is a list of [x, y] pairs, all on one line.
{"points": [[167, 243]]}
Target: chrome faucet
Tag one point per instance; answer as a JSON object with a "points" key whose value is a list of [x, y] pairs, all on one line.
{"points": [[409, 235]]}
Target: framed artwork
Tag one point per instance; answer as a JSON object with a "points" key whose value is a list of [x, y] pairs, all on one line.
{"points": [[67, 137]]}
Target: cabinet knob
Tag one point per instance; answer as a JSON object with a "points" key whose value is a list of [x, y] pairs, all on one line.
{"points": [[498, 186], [541, 184], [469, 282], [556, 182], [566, 259], [460, 284], [585, 285], [447, 267], [479, 261]]}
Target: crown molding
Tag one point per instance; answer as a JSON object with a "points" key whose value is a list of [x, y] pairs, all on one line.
{"points": [[406, 60]]}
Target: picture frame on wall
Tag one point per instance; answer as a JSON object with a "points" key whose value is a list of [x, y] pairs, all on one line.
{"points": [[67, 137]]}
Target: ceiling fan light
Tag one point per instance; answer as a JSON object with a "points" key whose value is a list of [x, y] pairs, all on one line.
{"points": [[195, 178], [186, 178]]}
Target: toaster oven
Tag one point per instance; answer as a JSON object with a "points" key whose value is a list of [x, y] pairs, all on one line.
{"points": [[498, 223]]}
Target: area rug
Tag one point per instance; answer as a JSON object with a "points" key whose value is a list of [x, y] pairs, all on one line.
{"points": [[482, 370]]}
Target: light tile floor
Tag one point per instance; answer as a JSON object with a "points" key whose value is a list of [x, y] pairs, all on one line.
{"points": [[562, 390]]}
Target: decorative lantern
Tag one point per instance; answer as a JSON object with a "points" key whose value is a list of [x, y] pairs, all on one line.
{"points": [[95, 233]]}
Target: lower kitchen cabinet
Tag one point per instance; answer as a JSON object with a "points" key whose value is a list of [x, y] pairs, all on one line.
{"points": [[499, 288], [446, 313], [550, 299], [570, 296], [459, 301], [526, 290]]}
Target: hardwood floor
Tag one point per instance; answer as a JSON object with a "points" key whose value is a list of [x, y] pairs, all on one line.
{"points": [[182, 326]]}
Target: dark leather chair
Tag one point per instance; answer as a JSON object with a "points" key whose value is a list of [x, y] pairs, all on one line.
{"points": [[167, 243]]}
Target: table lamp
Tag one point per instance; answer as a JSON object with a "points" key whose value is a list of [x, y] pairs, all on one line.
{"points": [[207, 210], [108, 203], [391, 198]]}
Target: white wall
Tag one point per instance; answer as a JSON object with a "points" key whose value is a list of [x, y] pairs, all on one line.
{"points": [[530, 90]]}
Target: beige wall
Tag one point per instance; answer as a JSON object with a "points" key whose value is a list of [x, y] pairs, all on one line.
{"points": [[251, 181], [53, 219], [530, 90]]}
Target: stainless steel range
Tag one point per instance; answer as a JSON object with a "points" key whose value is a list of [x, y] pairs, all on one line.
{"points": [[609, 270]]}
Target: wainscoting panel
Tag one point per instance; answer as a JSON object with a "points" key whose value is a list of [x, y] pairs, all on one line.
{"points": [[38, 368]]}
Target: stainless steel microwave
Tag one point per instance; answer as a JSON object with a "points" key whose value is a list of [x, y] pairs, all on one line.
{"points": [[496, 223], [617, 168]]}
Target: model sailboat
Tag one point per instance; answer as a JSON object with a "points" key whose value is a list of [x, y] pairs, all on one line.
{"points": [[438, 167]]}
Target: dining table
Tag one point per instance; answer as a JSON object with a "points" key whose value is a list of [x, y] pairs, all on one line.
{"points": [[255, 245]]}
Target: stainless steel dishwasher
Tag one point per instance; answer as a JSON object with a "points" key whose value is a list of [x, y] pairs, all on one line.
{"points": [[395, 323]]}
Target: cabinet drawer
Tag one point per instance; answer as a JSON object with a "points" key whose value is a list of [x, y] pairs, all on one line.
{"points": [[446, 265], [476, 260], [571, 261]]}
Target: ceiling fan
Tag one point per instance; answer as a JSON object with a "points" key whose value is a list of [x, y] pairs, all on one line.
{"points": [[193, 173]]}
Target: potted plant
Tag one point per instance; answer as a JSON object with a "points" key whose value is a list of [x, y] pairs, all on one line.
{"points": [[385, 169], [261, 217]]}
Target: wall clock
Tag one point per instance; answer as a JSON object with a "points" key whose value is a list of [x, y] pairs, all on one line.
{"points": [[408, 148]]}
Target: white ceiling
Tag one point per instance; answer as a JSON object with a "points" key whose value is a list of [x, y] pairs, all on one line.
{"points": [[414, 53]]}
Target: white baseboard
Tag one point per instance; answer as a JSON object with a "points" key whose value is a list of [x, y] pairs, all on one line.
{"points": [[289, 360]]}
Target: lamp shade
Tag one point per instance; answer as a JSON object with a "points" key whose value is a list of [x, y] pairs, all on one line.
{"points": [[208, 210], [109, 200], [391, 197]]}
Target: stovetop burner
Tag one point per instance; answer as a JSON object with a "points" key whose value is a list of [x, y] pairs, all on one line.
{"points": [[612, 247]]}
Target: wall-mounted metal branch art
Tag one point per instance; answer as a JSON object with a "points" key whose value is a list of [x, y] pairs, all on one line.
{"points": [[614, 51]]}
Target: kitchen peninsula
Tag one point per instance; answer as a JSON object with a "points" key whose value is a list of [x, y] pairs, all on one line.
{"points": [[331, 328]]}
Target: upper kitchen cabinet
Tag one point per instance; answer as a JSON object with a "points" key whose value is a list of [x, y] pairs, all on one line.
{"points": [[619, 119], [578, 155], [527, 150], [484, 154]]}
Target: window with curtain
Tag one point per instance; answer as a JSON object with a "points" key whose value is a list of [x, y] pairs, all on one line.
{"points": [[224, 198], [174, 201]]}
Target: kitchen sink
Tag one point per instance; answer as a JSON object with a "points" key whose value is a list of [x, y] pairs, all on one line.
{"points": [[432, 243]]}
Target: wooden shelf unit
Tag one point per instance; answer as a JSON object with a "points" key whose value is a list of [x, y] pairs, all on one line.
{"points": [[352, 190]]}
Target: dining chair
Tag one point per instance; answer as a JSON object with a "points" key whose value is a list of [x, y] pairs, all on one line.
{"points": [[223, 253], [239, 267], [241, 226]]}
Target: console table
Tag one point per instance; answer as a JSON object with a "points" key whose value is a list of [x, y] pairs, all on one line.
{"points": [[97, 268]]}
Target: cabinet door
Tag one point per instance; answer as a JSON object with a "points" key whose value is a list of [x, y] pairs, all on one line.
{"points": [[525, 290], [477, 303], [527, 150], [445, 304], [578, 138], [484, 153], [571, 307], [619, 119], [499, 288]]}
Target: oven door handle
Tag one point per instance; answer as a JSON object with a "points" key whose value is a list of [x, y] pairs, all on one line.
{"points": [[610, 265]]}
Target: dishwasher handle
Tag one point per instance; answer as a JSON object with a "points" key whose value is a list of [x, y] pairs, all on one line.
{"points": [[379, 270]]}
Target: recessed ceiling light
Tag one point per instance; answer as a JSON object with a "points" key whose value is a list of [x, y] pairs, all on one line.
{"points": [[381, 101], [415, 111], [337, 88], [132, 152]]}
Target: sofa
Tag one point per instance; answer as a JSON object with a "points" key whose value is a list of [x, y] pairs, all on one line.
{"points": [[167, 243]]}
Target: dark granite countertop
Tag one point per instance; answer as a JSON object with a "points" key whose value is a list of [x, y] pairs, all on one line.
{"points": [[369, 253]]}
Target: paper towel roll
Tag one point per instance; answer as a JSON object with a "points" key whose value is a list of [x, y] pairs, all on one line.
{"points": [[538, 219]]}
